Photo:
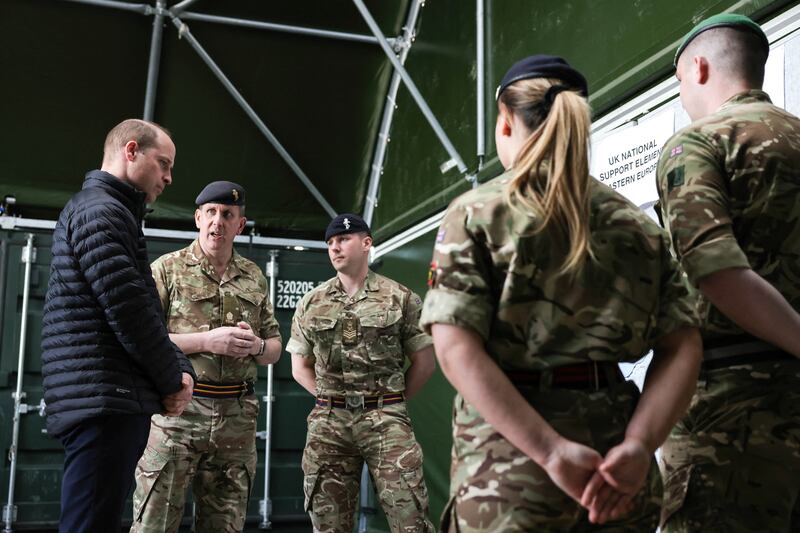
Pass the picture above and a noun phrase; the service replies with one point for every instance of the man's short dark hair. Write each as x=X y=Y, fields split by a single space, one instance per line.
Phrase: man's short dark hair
x=143 y=132
x=735 y=52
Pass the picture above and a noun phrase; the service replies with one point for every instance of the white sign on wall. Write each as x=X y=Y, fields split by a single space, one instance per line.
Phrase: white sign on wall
x=774 y=75
x=626 y=160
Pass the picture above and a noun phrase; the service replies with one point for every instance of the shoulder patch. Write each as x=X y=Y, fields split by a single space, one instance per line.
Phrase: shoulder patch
x=675 y=178
x=678 y=150
x=432 y=274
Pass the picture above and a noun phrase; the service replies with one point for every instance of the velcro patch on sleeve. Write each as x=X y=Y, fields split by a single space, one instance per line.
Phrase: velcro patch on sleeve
x=675 y=178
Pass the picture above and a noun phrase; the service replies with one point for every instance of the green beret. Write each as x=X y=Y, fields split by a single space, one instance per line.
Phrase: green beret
x=730 y=20
x=221 y=192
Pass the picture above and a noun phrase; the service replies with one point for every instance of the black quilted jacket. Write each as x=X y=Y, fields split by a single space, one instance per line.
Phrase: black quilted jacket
x=105 y=348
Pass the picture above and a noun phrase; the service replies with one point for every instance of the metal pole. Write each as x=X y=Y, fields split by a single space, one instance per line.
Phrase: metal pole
x=144 y=9
x=153 y=64
x=285 y=28
x=480 y=84
x=266 y=503
x=9 y=511
x=183 y=32
x=412 y=88
x=3 y=263
x=388 y=115
x=180 y=7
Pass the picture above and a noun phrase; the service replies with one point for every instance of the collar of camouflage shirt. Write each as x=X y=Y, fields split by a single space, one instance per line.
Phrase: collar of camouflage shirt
x=371 y=284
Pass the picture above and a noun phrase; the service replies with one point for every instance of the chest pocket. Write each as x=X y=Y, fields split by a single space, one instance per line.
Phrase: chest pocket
x=193 y=309
x=250 y=308
x=321 y=329
x=381 y=332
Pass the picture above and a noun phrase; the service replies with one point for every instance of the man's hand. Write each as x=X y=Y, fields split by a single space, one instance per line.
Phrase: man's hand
x=605 y=502
x=238 y=341
x=175 y=403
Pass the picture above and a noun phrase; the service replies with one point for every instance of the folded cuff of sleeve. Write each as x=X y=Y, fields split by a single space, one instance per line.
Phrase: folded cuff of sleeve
x=667 y=325
x=169 y=386
x=713 y=256
x=417 y=343
x=186 y=366
x=298 y=348
x=456 y=308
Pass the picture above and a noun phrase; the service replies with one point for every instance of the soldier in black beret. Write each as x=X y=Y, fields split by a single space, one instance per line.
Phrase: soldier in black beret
x=218 y=312
x=221 y=192
x=346 y=223
x=357 y=347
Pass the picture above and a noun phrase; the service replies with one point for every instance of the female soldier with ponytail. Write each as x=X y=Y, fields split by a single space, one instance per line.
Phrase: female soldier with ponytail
x=542 y=281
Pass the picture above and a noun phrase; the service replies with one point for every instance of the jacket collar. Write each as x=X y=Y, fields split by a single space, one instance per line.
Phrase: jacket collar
x=129 y=195
x=371 y=284
x=747 y=97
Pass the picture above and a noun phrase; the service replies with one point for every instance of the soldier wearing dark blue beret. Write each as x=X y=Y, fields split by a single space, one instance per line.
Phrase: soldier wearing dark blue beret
x=221 y=192
x=218 y=313
x=356 y=345
x=346 y=223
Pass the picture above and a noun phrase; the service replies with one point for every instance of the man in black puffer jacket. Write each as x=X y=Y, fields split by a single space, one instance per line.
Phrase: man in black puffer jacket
x=107 y=360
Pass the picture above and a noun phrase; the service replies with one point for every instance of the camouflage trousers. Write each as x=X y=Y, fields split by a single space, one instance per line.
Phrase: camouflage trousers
x=733 y=462
x=339 y=441
x=213 y=447
x=494 y=487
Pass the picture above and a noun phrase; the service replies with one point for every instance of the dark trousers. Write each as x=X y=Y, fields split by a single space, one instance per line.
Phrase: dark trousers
x=100 y=459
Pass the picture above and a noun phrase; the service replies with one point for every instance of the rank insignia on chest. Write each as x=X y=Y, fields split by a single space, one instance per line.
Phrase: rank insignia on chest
x=349 y=331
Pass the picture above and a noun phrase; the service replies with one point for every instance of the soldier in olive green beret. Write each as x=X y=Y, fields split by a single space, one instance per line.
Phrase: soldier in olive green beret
x=730 y=197
x=218 y=313
x=351 y=339
x=543 y=280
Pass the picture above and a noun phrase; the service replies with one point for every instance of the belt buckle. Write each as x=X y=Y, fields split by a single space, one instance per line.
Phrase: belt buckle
x=354 y=401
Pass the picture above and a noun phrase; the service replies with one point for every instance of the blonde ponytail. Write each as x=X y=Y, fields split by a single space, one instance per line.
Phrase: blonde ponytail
x=551 y=170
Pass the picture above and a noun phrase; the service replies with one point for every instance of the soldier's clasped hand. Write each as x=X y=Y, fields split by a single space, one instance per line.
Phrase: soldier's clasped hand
x=233 y=341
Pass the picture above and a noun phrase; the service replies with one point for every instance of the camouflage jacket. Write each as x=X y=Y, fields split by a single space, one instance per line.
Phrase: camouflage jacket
x=359 y=344
x=195 y=299
x=730 y=197
x=493 y=274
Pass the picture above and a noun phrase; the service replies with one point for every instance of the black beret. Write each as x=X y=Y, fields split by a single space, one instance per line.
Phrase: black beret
x=544 y=66
x=346 y=223
x=221 y=192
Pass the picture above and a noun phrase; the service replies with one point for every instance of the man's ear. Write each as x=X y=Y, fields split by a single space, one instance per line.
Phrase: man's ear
x=242 y=222
x=700 y=69
x=131 y=148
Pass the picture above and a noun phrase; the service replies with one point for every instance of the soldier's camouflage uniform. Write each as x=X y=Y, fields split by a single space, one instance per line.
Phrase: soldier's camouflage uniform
x=493 y=275
x=371 y=363
x=212 y=444
x=729 y=186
